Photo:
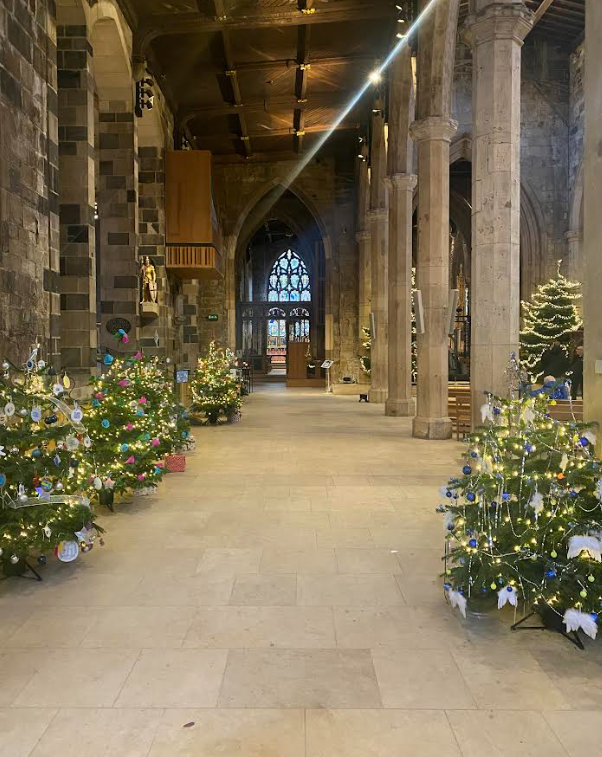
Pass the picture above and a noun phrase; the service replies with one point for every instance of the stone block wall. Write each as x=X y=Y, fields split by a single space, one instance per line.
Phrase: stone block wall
x=117 y=195
x=29 y=220
x=576 y=114
x=77 y=199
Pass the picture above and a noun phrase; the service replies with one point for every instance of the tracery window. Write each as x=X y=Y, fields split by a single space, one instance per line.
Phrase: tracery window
x=289 y=279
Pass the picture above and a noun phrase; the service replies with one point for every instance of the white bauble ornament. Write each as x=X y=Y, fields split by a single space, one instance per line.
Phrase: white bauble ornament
x=41 y=364
x=14 y=559
x=36 y=414
x=87 y=442
x=9 y=409
x=59 y=487
x=97 y=484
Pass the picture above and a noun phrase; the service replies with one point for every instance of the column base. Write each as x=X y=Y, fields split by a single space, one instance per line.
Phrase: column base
x=378 y=396
x=400 y=408
x=432 y=428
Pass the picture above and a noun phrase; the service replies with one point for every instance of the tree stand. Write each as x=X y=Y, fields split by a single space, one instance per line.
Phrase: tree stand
x=551 y=621
x=19 y=570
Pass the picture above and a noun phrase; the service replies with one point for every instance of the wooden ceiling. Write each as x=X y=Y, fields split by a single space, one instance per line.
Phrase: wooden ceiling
x=251 y=77
x=254 y=77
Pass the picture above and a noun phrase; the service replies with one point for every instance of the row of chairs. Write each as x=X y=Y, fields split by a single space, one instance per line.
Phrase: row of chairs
x=459 y=409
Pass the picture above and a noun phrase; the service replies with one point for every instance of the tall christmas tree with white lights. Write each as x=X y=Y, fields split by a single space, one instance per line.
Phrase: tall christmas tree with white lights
x=524 y=520
x=215 y=390
x=551 y=316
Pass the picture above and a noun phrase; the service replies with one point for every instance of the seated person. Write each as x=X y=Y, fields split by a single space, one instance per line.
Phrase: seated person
x=555 y=390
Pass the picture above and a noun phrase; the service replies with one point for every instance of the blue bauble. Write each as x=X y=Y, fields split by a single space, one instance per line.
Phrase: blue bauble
x=494 y=504
x=528 y=448
x=95 y=403
x=550 y=574
x=108 y=359
x=125 y=447
x=57 y=460
x=472 y=543
x=448 y=494
x=447 y=585
x=42 y=560
x=473 y=454
x=140 y=412
x=470 y=497
x=105 y=423
x=73 y=462
x=36 y=453
x=509 y=588
x=583 y=441
x=184 y=434
x=594 y=615
x=574 y=493
x=506 y=496
x=483 y=590
x=496 y=411
x=2 y=479
x=467 y=470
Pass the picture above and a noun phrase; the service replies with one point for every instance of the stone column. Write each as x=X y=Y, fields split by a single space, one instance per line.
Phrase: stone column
x=574 y=269
x=400 y=183
x=399 y=317
x=592 y=223
x=498 y=29
x=362 y=237
x=433 y=135
x=77 y=197
x=118 y=223
x=378 y=219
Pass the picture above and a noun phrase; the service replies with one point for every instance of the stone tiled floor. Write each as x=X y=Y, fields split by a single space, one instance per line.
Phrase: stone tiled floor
x=281 y=599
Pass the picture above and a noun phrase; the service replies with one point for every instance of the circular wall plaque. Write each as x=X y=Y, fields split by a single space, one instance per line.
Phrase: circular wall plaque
x=115 y=324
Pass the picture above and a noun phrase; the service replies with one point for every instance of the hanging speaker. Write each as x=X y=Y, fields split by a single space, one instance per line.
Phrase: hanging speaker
x=451 y=313
x=418 y=311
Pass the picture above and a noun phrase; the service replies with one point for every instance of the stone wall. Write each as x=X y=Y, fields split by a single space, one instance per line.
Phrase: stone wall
x=576 y=115
x=29 y=206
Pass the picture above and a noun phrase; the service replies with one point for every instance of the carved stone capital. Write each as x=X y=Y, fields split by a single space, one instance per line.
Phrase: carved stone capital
x=363 y=235
x=438 y=128
x=401 y=182
x=500 y=21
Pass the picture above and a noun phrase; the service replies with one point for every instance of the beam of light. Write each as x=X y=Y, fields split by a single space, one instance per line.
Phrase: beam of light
x=375 y=76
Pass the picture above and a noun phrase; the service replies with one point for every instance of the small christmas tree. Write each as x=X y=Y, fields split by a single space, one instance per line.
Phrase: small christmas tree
x=43 y=474
x=525 y=517
x=214 y=388
x=551 y=316
x=366 y=344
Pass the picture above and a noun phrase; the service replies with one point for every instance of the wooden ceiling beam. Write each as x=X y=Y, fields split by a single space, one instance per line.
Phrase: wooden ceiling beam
x=317 y=100
x=545 y=4
x=152 y=27
x=338 y=60
x=301 y=77
x=285 y=132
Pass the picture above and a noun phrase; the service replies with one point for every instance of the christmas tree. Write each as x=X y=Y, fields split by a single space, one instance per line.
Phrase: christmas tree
x=551 y=316
x=366 y=344
x=43 y=474
x=214 y=387
x=133 y=424
x=524 y=520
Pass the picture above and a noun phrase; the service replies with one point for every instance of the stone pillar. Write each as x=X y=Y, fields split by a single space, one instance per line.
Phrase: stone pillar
x=364 y=242
x=592 y=223
x=574 y=268
x=77 y=198
x=498 y=29
x=400 y=183
x=191 y=292
x=378 y=219
x=117 y=199
x=433 y=135
x=399 y=317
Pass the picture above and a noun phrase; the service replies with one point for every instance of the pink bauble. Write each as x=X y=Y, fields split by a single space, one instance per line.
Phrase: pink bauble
x=156 y=442
x=124 y=382
x=141 y=477
x=142 y=401
x=131 y=460
x=99 y=396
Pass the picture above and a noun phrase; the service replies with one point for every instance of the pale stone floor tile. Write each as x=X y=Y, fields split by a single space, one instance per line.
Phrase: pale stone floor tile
x=420 y=679
x=347 y=590
x=366 y=561
x=264 y=589
x=577 y=675
x=20 y=729
x=262 y=627
x=277 y=560
x=395 y=627
x=54 y=627
x=188 y=591
x=11 y=617
x=99 y=733
x=230 y=733
x=344 y=537
x=229 y=562
x=505 y=734
x=174 y=678
x=76 y=677
x=379 y=733
x=579 y=732
x=139 y=627
x=300 y=678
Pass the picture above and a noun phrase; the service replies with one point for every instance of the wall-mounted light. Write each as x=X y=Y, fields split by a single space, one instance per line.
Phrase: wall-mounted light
x=144 y=96
x=375 y=77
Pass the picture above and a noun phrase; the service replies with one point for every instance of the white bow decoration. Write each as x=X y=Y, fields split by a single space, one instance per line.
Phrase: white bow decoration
x=457 y=600
x=507 y=595
x=536 y=502
x=598 y=491
x=487 y=413
x=589 y=544
x=564 y=461
x=529 y=416
x=449 y=520
x=575 y=620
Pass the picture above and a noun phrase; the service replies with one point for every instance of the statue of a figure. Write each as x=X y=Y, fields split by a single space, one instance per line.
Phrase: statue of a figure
x=149 y=280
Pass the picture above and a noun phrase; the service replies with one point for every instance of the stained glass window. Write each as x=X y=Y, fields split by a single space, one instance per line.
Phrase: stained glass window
x=289 y=279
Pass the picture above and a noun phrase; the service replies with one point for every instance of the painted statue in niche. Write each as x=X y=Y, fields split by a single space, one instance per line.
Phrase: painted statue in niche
x=148 y=276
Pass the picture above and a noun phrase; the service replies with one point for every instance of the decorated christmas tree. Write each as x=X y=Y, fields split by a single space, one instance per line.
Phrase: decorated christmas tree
x=215 y=390
x=551 y=316
x=43 y=473
x=524 y=520
x=366 y=344
x=133 y=421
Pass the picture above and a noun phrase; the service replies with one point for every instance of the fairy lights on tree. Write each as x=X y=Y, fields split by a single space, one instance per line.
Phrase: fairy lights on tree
x=551 y=316
x=215 y=390
x=524 y=520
